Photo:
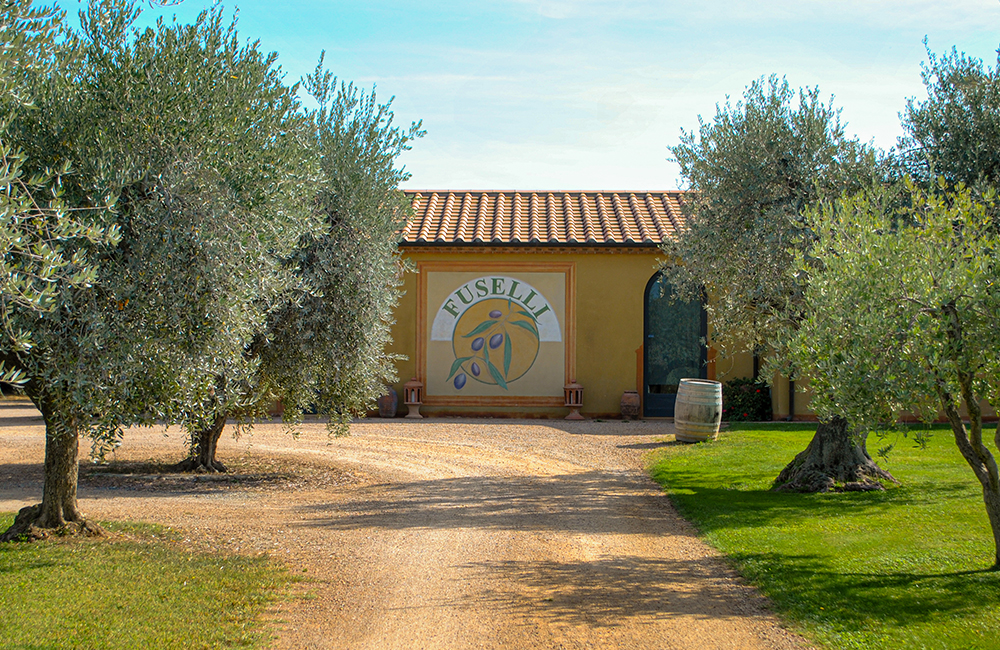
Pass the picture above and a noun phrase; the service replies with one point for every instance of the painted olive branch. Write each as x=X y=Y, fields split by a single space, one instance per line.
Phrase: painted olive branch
x=482 y=345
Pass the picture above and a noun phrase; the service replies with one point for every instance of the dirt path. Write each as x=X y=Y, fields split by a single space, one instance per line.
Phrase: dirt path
x=441 y=534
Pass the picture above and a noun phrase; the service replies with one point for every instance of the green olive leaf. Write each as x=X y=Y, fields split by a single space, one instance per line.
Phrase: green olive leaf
x=482 y=327
x=497 y=377
x=507 y=353
x=525 y=325
x=455 y=366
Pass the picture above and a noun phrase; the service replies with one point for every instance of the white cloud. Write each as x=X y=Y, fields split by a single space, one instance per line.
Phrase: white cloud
x=895 y=14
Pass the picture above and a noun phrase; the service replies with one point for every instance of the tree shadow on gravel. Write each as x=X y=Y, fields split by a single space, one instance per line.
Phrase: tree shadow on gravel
x=606 y=591
x=597 y=501
x=21 y=417
x=592 y=502
x=152 y=479
x=20 y=475
x=657 y=444
x=246 y=473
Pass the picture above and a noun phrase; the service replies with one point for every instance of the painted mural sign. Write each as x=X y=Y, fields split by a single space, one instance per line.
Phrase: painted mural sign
x=495 y=335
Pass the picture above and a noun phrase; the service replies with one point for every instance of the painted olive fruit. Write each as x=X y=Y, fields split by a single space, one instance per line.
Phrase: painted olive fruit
x=475 y=369
x=460 y=380
x=495 y=341
x=495 y=313
x=477 y=344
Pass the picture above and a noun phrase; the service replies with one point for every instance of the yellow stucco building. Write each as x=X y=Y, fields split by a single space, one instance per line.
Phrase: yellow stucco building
x=517 y=295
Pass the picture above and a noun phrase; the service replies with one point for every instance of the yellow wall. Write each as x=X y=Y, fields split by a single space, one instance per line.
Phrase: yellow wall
x=609 y=293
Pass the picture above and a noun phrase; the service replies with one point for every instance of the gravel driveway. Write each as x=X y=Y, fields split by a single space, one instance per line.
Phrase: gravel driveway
x=440 y=533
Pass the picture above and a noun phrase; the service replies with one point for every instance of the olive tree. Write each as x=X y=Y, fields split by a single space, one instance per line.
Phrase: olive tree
x=903 y=305
x=955 y=132
x=323 y=345
x=205 y=148
x=327 y=343
x=37 y=228
x=753 y=172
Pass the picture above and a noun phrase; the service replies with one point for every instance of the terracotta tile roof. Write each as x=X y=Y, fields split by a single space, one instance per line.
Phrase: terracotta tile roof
x=543 y=218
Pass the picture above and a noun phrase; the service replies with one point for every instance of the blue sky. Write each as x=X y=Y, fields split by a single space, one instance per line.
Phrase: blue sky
x=588 y=94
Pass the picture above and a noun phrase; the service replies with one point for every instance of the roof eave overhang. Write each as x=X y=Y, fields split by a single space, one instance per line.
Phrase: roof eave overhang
x=523 y=245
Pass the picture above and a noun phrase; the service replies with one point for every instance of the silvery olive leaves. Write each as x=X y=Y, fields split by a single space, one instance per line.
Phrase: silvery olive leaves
x=752 y=172
x=488 y=337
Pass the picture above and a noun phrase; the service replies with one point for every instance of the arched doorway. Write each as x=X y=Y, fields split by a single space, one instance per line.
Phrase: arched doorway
x=672 y=333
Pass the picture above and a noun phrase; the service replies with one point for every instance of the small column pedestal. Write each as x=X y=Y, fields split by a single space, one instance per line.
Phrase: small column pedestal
x=574 y=400
x=413 y=397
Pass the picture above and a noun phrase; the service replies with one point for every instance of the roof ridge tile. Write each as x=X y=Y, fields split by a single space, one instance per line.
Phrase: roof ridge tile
x=461 y=228
x=639 y=217
x=498 y=214
x=482 y=216
x=516 y=223
x=410 y=226
x=602 y=214
x=661 y=231
x=533 y=218
x=588 y=223
x=551 y=234
x=569 y=219
x=444 y=224
x=425 y=224
x=669 y=208
x=623 y=225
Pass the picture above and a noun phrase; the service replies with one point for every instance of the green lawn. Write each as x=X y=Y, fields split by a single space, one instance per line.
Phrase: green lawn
x=148 y=592
x=904 y=568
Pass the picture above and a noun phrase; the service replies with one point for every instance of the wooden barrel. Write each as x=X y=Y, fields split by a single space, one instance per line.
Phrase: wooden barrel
x=698 y=410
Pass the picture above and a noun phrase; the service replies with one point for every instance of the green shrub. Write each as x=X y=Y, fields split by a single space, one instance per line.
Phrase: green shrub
x=746 y=400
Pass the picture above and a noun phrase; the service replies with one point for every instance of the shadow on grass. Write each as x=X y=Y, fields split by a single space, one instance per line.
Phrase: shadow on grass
x=734 y=506
x=857 y=601
x=25 y=566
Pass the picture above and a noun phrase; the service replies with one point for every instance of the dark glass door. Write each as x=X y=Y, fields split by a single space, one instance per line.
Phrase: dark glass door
x=673 y=350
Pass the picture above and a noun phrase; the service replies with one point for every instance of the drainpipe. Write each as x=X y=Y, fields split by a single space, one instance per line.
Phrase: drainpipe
x=791 y=400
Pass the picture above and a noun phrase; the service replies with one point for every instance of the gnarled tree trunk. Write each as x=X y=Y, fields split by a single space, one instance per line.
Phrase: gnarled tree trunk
x=983 y=465
x=975 y=452
x=58 y=510
x=991 y=498
x=835 y=460
x=205 y=442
